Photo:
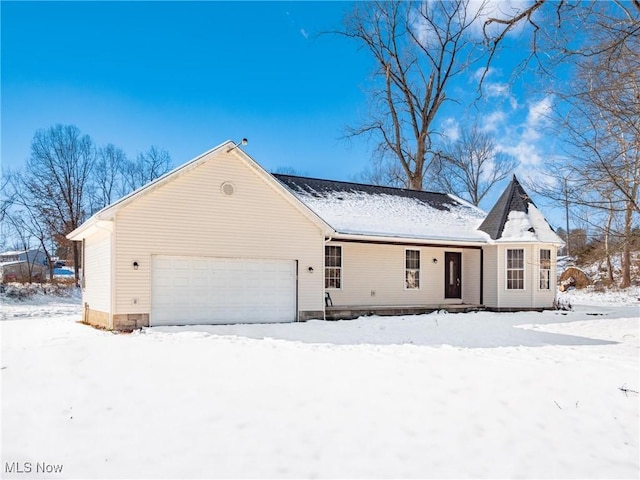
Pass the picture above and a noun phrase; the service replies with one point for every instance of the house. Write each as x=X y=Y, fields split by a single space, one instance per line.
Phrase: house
x=220 y=240
x=23 y=265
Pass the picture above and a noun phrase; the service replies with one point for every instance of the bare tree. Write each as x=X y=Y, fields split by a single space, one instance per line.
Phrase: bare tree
x=108 y=181
x=27 y=224
x=56 y=177
x=554 y=24
x=418 y=47
x=21 y=240
x=148 y=166
x=472 y=165
x=599 y=113
x=385 y=171
x=604 y=129
x=598 y=108
x=6 y=195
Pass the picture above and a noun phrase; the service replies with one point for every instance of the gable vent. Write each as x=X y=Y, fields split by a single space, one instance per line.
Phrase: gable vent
x=228 y=188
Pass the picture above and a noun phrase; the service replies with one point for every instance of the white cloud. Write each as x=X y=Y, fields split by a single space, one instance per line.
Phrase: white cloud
x=304 y=33
x=500 y=9
x=493 y=122
x=530 y=160
x=486 y=72
x=537 y=118
x=474 y=17
x=451 y=129
x=526 y=153
x=539 y=111
x=500 y=90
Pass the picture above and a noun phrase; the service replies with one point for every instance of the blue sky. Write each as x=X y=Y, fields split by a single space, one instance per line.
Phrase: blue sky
x=186 y=76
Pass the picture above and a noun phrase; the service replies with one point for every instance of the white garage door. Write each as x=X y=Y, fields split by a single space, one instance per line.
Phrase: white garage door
x=204 y=290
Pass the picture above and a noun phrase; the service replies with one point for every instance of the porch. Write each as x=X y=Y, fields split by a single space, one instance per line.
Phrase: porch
x=351 y=312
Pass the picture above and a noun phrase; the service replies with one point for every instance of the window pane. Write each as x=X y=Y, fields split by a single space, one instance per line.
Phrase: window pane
x=545 y=269
x=412 y=279
x=333 y=264
x=545 y=280
x=515 y=269
x=412 y=259
x=333 y=256
x=545 y=258
x=412 y=269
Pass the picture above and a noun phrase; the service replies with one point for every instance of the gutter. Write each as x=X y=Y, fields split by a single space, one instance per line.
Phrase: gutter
x=392 y=240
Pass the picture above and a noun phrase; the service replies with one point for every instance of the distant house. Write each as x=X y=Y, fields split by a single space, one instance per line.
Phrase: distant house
x=220 y=240
x=23 y=265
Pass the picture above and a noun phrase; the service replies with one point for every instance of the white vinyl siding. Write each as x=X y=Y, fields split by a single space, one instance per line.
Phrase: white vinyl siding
x=470 y=276
x=545 y=297
x=527 y=297
x=193 y=216
x=96 y=271
x=373 y=275
x=490 y=276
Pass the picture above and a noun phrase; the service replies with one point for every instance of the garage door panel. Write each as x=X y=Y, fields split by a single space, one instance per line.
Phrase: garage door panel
x=205 y=290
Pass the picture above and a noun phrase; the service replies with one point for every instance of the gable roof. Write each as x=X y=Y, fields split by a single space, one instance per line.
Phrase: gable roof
x=103 y=217
x=368 y=210
x=515 y=217
x=350 y=210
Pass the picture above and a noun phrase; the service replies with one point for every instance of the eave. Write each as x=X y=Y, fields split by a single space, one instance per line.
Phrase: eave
x=414 y=241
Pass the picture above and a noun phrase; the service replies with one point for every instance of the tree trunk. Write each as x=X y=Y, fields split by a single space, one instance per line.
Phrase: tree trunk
x=626 y=249
x=606 y=247
x=566 y=214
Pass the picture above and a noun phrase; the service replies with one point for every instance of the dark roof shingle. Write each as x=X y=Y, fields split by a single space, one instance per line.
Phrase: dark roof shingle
x=317 y=187
x=513 y=199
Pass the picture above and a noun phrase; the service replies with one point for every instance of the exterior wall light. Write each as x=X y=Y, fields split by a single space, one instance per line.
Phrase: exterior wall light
x=135 y=265
x=310 y=269
x=435 y=260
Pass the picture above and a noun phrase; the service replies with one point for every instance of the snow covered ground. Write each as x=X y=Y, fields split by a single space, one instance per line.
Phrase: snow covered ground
x=477 y=395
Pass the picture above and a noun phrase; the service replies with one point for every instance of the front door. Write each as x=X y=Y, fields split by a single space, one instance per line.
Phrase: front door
x=452 y=275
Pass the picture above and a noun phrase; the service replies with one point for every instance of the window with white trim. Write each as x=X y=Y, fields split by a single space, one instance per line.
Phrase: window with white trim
x=412 y=269
x=332 y=266
x=545 y=269
x=515 y=269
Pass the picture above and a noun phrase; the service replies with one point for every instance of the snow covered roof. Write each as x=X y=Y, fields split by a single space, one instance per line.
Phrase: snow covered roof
x=12 y=262
x=17 y=252
x=357 y=209
x=374 y=211
x=515 y=217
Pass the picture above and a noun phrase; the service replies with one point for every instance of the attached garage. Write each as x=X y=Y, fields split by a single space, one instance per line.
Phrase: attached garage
x=208 y=290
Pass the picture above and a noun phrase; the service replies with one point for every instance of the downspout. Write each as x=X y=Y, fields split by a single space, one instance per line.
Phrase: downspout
x=500 y=281
x=482 y=276
x=112 y=286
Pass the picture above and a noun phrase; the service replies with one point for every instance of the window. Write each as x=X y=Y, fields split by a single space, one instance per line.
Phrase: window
x=332 y=266
x=515 y=269
x=545 y=269
x=412 y=269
